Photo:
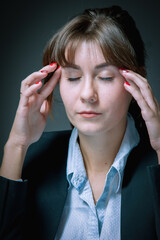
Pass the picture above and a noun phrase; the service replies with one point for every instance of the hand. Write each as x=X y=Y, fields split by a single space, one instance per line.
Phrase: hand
x=33 y=109
x=141 y=91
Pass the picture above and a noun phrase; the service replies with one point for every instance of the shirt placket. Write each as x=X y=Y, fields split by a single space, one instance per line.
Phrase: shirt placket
x=92 y=221
x=111 y=194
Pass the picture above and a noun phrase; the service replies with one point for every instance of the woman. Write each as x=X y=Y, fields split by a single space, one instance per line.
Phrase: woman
x=102 y=180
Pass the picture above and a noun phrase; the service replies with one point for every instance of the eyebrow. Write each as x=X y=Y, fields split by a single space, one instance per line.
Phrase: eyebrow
x=74 y=66
x=102 y=65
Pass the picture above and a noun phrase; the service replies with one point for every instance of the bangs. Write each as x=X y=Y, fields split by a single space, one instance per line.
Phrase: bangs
x=115 y=47
x=65 y=55
x=104 y=31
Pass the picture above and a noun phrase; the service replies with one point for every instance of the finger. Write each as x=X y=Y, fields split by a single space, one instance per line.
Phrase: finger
x=50 y=85
x=146 y=111
x=136 y=93
x=25 y=95
x=32 y=79
x=37 y=76
x=45 y=108
x=49 y=68
x=144 y=87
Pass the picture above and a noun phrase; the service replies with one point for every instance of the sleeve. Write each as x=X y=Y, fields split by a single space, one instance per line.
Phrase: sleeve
x=154 y=179
x=13 y=198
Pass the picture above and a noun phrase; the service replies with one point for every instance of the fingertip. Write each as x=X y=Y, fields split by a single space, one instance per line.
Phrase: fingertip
x=44 y=71
x=53 y=64
x=122 y=70
x=58 y=68
x=127 y=83
x=39 y=82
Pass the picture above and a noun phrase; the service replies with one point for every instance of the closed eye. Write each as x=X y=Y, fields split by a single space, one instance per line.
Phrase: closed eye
x=106 y=78
x=73 y=79
x=101 y=78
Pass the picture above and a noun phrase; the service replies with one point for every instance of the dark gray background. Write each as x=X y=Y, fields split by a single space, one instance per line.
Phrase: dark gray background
x=26 y=26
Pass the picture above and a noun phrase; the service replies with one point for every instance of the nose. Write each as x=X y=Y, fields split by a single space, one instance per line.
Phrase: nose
x=89 y=91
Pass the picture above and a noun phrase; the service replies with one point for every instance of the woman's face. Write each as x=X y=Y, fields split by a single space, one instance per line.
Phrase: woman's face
x=93 y=92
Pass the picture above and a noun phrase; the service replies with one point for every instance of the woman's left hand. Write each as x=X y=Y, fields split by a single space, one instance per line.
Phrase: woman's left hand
x=141 y=91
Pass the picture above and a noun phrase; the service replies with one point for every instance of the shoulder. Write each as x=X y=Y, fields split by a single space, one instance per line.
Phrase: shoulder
x=49 y=152
x=140 y=158
x=51 y=139
x=50 y=142
x=144 y=154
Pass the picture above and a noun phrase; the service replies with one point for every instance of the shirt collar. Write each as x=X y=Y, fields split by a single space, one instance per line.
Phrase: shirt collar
x=76 y=173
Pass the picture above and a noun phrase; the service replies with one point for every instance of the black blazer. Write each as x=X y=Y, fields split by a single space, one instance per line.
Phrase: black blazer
x=32 y=209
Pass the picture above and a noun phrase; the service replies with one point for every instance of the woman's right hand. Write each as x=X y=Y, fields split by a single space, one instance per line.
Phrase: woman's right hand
x=30 y=120
x=33 y=109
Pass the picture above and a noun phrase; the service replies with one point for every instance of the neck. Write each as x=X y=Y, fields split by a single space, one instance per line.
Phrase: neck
x=99 y=151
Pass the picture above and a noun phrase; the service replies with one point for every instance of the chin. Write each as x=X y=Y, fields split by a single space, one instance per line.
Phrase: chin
x=90 y=129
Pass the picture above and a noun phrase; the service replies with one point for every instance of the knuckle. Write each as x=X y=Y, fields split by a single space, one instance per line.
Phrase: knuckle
x=22 y=82
x=152 y=114
x=31 y=77
x=145 y=80
x=135 y=92
x=34 y=75
x=149 y=88
x=139 y=97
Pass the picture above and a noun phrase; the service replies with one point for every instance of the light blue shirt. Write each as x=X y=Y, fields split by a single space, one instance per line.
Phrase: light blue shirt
x=81 y=218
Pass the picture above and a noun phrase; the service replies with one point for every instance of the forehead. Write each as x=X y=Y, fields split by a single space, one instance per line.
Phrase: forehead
x=91 y=51
x=83 y=52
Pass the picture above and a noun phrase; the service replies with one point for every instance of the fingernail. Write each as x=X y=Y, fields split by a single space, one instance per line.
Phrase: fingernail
x=124 y=70
x=52 y=64
x=38 y=82
x=58 y=67
x=127 y=83
x=44 y=71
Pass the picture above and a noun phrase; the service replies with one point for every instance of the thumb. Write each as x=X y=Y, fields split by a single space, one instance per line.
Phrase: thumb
x=45 y=108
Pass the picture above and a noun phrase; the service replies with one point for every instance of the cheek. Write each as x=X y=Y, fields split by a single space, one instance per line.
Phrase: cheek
x=66 y=93
x=63 y=91
x=123 y=99
x=116 y=97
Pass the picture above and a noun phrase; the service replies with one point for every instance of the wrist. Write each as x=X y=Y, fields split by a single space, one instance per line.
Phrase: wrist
x=13 y=159
x=17 y=145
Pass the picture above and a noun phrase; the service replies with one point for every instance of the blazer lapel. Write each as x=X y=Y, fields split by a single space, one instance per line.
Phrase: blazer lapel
x=45 y=170
x=53 y=196
x=136 y=205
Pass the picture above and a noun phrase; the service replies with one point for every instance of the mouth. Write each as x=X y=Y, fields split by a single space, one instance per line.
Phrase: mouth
x=89 y=114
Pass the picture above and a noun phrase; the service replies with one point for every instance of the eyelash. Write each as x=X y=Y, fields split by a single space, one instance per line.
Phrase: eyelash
x=106 y=79
x=73 y=79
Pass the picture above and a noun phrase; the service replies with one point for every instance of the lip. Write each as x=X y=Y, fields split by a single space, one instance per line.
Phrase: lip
x=89 y=114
